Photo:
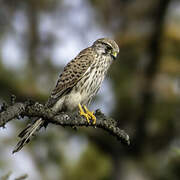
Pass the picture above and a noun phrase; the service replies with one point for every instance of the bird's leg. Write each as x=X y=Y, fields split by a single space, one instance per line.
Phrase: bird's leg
x=90 y=114
x=82 y=113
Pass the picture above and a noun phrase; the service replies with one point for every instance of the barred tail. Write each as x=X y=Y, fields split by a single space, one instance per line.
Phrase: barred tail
x=27 y=133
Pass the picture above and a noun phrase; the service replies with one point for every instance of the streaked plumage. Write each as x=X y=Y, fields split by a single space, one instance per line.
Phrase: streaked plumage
x=78 y=83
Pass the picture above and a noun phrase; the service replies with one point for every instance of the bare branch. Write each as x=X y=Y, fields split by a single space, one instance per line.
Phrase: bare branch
x=11 y=112
x=63 y=119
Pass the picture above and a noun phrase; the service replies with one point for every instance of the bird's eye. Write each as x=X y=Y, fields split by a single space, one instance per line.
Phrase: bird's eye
x=108 y=47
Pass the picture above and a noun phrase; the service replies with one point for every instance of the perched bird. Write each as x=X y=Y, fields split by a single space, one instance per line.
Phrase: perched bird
x=78 y=84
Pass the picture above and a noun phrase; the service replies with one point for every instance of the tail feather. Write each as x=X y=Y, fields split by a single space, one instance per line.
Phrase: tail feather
x=26 y=134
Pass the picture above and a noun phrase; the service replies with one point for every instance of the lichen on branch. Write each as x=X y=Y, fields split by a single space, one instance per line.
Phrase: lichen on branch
x=71 y=119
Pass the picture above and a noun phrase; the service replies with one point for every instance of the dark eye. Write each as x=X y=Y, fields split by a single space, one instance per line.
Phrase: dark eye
x=108 y=47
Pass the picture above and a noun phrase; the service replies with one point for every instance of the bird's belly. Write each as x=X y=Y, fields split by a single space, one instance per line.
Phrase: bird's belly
x=88 y=86
x=84 y=90
x=81 y=93
x=72 y=100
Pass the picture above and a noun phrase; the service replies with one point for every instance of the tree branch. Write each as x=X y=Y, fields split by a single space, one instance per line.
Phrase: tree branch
x=35 y=109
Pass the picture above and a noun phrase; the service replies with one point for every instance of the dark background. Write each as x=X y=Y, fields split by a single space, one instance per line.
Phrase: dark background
x=37 y=38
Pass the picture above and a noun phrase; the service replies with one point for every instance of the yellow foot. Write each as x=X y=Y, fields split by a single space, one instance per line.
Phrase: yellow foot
x=87 y=114
x=82 y=113
x=90 y=114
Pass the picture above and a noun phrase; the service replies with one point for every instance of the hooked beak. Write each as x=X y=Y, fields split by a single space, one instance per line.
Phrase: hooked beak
x=114 y=54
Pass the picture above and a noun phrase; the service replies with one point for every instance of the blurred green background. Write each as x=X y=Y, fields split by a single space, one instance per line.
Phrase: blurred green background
x=142 y=90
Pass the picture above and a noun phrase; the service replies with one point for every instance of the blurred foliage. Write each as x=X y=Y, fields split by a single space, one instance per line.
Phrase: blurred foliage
x=144 y=79
x=93 y=164
x=7 y=176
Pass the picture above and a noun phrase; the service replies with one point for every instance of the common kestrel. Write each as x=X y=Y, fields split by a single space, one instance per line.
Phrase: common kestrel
x=78 y=84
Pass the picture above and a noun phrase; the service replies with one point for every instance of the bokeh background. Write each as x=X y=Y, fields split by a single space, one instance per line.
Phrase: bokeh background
x=141 y=91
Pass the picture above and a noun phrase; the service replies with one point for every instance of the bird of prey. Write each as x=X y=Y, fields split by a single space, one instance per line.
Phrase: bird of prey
x=78 y=84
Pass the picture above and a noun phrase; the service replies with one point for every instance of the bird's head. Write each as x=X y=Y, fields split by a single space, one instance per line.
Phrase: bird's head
x=106 y=46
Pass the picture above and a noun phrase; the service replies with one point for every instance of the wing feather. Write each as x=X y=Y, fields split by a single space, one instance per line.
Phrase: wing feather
x=72 y=73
